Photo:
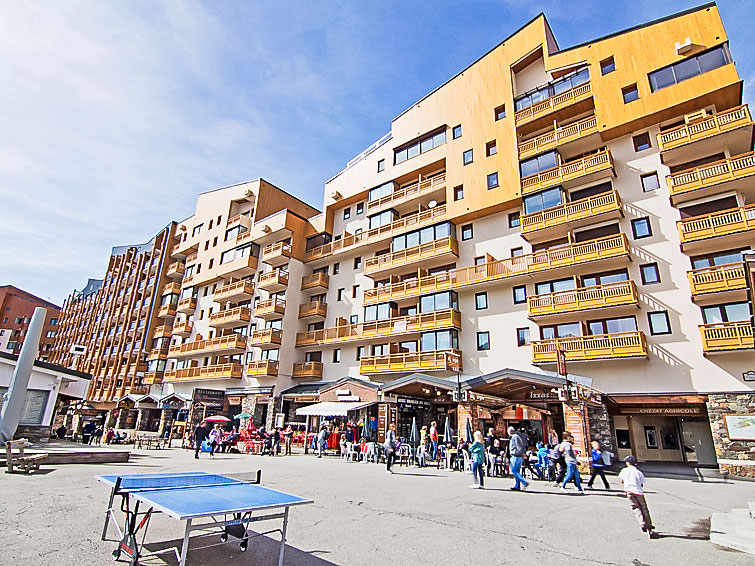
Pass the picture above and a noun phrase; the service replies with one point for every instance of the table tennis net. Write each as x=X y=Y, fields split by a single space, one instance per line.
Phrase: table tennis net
x=148 y=483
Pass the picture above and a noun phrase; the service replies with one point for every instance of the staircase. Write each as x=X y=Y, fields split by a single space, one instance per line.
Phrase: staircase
x=735 y=529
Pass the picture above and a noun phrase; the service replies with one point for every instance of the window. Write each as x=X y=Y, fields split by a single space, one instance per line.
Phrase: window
x=535 y=165
x=604 y=278
x=336 y=268
x=578 y=77
x=543 y=200
x=219 y=219
x=641 y=228
x=522 y=336
x=720 y=258
x=440 y=340
x=500 y=112
x=516 y=252
x=492 y=180
x=641 y=142
x=360 y=208
x=354 y=291
x=520 y=294
x=353 y=319
x=381 y=165
x=337 y=356
x=423 y=236
x=612 y=326
x=382 y=218
x=650 y=182
x=468 y=157
x=382 y=311
x=459 y=192
x=607 y=66
x=483 y=341
x=481 y=301
x=467 y=232
x=731 y=312
x=659 y=323
x=50 y=334
x=491 y=148
x=420 y=146
x=339 y=295
x=514 y=220
x=357 y=263
x=347 y=213
x=630 y=93
x=53 y=321
x=690 y=67
x=197 y=229
x=650 y=274
x=457 y=131
x=439 y=301
x=360 y=352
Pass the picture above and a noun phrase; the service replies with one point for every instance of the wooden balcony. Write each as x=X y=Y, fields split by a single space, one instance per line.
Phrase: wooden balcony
x=581 y=131
x=153 y=377
x=586 y=348
x=717 y=279
x=733 y=173
x=157 y=353
x=408 y=194
x=181 y=249
x=167 y=311
x=266 y=338
x=313 y=309
x=273 y=281
x=234 y=292
x=239 y=267
x=410 y=324
x=315 y=281
x=623 y=293
x=559 y=103
x=222 y=345
x=164 y=330
x=270 y=309
x=546 y=224
x=730 y=227
x=610 y=249
x=276 y=254
x=577 y=171
x=726 y=336
x=206 y=373
x=176 y=270
x=187 y=305
x=183 y=329
x=307 y=370
x=702 y=135
x=172 y=288
x=231 y=318
x=430 y=254
x=259 y=368
x=405 y=224
x=404 y=363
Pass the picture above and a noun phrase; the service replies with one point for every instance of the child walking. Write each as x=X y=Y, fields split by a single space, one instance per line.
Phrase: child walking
x=597 y=466
x=477 y=450
x=634 y=480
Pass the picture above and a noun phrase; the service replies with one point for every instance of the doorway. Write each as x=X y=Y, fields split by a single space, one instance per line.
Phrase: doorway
x=697 y=442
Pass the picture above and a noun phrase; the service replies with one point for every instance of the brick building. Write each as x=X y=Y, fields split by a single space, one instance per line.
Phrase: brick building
x=16 y=308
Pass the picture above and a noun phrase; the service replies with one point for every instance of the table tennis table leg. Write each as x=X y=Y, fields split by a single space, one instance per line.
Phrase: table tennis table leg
x=185 y=545
x=283 y=537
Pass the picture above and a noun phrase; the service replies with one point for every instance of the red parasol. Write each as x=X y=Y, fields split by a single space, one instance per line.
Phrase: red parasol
x=218 y=419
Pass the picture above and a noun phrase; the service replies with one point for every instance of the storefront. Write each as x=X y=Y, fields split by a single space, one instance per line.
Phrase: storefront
x=255 y=401
x=205 y=403
x=299 y=396
x=148 y=413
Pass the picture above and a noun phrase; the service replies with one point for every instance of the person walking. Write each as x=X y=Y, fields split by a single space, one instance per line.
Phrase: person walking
x=98 y=432
x=477 y=451
x=276 y=441
x=634 y=482
x=390 y=447
x=200 y=434
x=434 y=440
x=288 y=436
x=214 y=438
x=597 y=465
x=572 y=472
x=322 y=441
x=517 y=450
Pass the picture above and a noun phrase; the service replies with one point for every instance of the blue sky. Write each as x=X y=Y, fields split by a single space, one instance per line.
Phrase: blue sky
x=115 y=115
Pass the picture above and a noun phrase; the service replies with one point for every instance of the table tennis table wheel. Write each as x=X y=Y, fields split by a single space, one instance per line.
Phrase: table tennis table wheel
x=116 y=554
x=224 y=537
x=243 y=545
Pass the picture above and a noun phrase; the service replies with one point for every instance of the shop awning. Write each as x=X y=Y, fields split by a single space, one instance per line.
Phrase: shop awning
x=331 y=408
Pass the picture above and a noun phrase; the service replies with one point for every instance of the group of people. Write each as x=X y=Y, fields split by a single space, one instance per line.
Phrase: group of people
x=219 y=440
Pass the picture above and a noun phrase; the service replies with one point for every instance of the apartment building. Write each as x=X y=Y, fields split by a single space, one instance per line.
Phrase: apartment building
x=16 y=309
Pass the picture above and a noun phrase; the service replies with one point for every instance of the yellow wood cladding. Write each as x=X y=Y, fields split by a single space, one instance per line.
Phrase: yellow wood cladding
x=574 y=254
x=167 y=311
x=558 y=136
x=720 y=223
x=313 y=308
x=412 y=221
x=271 y=306
x=711 y=174
x=153 y=377
x=187 y=305
x=406 y=362
x=597 y=347
x=274 y=277
x=218 y=371
x=219 y=344
x=593 y=163
x=237 y=290
x=570 y=211
x=265 y=336
x=726 y=336
x=262 y=367
x=728 y=277
x=448 y=318
x=397 y=197
x=307 y=369
x=553 y=104
x=448 y=245
x=584 y=298
x=315 y=280
x=716 y=124
x=279 y=249
x=230 y=316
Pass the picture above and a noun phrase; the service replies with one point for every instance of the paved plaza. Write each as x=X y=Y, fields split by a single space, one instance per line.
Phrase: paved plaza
x=363 y=516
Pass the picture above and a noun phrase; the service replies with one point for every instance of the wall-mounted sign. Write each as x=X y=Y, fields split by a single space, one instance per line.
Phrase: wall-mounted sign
x=209 y=397
x=668 y=411
x=749 y=375
x=740 y=427
x=412 y=403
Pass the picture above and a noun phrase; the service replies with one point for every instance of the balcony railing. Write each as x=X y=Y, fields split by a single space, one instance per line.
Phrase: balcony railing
x=237 y=291
x=718 y=278
x=315 y=280
x=218 y=371
x=278 y=253
x=597 y=347
x=183 y=329
x=551 y=258
x=162 y=330
x=187 y=305
x=167 y=311
x=234 y=343
x=717 y=124
x=307 y=369
x=553 y=104
x=426 y=217
x=396 y=197
x=584 y=298
x=176 y=269
x=157 y=353
x=558 y=136
x=274 y=306
x=262 y=367
x=276 y=277
x=171 y=288
x=448 y=245
x=153 y=377
x=265 y=337
x=448 y=318
x=406 y=362
x=711 y=174
x=720 y=223
x=239 y=315
x=594 y=163
x=571 y=211
x=726 y=336
x=313 y=308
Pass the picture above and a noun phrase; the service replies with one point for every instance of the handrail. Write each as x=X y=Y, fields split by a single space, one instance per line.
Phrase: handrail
x=312 y=308
x=718 y=123
x=218 y=371
x=734 y=335
x=552 y=103
x=431 y=184
x=266 y=335
x=315 y=280
x=234 y=341
x=717 y=223
x=434 y=360
x=228 y=289
x=278 y=247
x=241 y=313
x=598 y=161
x=307 y=369
x=558 y=135
x=608 y=294
x=262 y=367
x=271 y=304
x=583 y=208
x=428 y=249
x=276 y=275
x=713 y=173
x=717 y=278
x=595 y=346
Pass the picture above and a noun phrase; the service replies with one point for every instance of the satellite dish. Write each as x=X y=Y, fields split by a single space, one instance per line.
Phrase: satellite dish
x=432 y=204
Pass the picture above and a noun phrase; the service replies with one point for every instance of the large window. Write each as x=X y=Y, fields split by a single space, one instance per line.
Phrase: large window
x=240 y=252
x=382 y=218
x=540 y=163
x=34 y=405
x=605 y=278
x=543 y=200
x=439 y=301
x=546 y=287
x=423 y=236
x=720 y=258
x=567 y=330
x=420 y=146
x=731 y=312
x=382 y=191
x=544 y=92
x=612 y=325
x=688 y=68
x=440 y=340
x=378 y=312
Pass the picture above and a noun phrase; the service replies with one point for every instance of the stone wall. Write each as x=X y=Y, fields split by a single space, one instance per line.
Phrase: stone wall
x=33 y=433
x=735 y=457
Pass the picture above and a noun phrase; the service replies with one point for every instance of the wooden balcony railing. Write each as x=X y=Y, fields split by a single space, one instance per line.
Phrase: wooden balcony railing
x=315 y=280
x=218 y=371
x=711 y=174
x=157 y=353
x=717 y=124
x=234 y=291
x=167 y=311
x=153 y=377
x=584 y=208
x=313 y=308
x=396 y=197
x=597 y=347
x=274 y=277
x=231 y=316
x=551 y=258
x=407 y=362
x=265 y=336
x=191 y=258
x=162 y=330
x=277 y=250
x=448 y=245
x=720 y=223
x=307 y=369
x=584 y=298
x=448 y=318
x=176 y=269
x=171 y=288
x=558 y=136
x=233 y=343
x=262 y=367
x=554 y=103
x=275 y=305
x=183 y=329
x=593 y=163
x=727 y=277
x=726 y=336
x=187 y=305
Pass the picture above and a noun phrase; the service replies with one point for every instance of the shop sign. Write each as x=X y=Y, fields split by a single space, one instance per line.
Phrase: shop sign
x=668 y=411
x=542 y=396
x=412 y=403
x=453 y=362
x=575 y=425
x=234 y=399
x=210 y=397
x=749 y=375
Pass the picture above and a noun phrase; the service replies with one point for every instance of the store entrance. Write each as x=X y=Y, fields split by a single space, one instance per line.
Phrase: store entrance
x=697 y=441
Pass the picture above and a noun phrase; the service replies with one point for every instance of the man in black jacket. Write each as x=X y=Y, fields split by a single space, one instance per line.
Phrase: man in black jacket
x=200 y=434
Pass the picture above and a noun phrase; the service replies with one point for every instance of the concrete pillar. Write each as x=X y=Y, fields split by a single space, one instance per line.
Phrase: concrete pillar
x=270 y=420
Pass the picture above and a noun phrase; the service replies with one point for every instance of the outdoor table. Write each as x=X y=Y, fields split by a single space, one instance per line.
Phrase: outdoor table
x=450 y=452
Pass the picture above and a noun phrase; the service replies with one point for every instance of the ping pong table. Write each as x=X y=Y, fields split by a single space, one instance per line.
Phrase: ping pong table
x=206 y=502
